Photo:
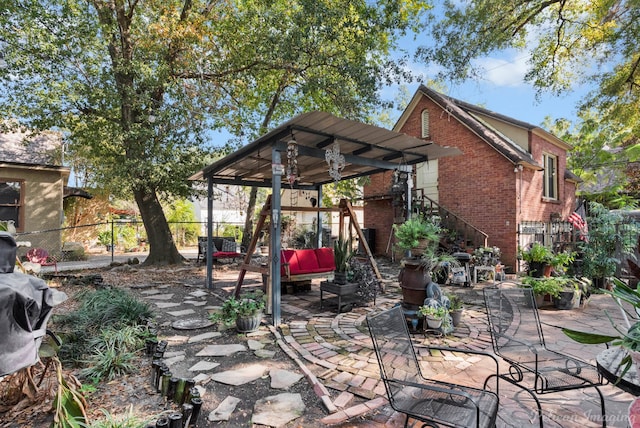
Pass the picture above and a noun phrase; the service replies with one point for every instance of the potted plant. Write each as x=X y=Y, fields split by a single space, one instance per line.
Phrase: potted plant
x=342 y=253
x=416 y=234
x=570 y=294
x=245 y=312
x=456 y=308
x=433 y=314
x=543 y=286
x=538 y=257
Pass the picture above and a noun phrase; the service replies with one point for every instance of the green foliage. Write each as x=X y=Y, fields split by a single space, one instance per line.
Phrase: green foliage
x=99 y=313
x=409 y=234
x=437 y=312
x=249 y=304
x=342 y=252
x=137 y=89
x=104 y=237
x=551 y=285
x=127 y=420
x=537 y=252
x=69 y=404
x=456 y=302
x=187 y=229
x=629 y=338
x=609 y=236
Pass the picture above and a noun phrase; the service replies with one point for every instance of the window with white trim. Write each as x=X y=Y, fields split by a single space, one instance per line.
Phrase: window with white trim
x=425 y=123
x=550 y=190
x=11 y=193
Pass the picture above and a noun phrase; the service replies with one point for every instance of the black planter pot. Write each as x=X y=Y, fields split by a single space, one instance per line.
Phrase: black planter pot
x=340 y=277
x=536 y=269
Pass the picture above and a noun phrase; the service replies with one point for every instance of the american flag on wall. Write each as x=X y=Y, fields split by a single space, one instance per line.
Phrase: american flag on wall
x=579 y=221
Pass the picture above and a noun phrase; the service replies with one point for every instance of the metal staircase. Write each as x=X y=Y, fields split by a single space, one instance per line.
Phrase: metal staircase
x=465 y=233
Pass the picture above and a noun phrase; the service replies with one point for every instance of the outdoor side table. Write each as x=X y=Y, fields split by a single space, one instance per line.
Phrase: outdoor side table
x=608 y=362
x=340 y=290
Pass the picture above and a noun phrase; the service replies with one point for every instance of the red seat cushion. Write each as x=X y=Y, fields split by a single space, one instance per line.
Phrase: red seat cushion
x=289 y=256
x=225 y=254
x=307 y=261
x=326 y=259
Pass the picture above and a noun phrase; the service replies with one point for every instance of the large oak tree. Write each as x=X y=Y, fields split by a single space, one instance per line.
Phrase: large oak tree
x=136 y=86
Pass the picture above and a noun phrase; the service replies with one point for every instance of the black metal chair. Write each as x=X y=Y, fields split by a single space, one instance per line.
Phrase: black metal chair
x=432 y=402
x=516 y=335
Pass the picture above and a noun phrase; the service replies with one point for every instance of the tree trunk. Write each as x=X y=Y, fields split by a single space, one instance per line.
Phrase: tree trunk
x=162 y=248
x=248 y=222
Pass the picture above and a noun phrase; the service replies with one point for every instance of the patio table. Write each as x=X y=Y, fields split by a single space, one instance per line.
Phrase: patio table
x=608 y=363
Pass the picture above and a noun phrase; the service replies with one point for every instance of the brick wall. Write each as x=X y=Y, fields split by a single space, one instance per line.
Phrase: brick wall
x=480 y=186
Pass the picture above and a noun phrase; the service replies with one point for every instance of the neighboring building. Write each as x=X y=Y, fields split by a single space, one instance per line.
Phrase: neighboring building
x=32 y=185
x=510 y=182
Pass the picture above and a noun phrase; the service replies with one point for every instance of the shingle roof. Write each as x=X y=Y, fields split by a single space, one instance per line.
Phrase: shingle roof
x=22 y=147
x=467 y=114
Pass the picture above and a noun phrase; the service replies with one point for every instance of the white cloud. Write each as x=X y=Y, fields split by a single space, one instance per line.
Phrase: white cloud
x=504 y=72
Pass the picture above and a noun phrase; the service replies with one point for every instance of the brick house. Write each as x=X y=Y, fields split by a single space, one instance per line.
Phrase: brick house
x=510 y=173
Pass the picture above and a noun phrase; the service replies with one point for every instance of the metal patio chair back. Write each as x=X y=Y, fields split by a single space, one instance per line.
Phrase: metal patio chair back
x=432 y=402
x=517 y=338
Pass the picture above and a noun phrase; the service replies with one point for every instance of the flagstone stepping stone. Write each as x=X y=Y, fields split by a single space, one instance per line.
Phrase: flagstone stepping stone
x=221 y=350
x=278 y=410
x=176 y=340
x=182 y=313
x=171 y=354
x=283 y=379
x=161 y=297
x=201 y=366
x=165 y=305
x=224 y=409
x=171 y=361
x=150 y=292
x=240 y=376
x=201 y=378
x=198 y=293
x=254 y=345
x=204 y=336
x=194 y=303
x=191 y=323
x=265 y=353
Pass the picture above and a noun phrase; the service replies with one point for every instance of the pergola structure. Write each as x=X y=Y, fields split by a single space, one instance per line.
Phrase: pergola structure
x=307 y=152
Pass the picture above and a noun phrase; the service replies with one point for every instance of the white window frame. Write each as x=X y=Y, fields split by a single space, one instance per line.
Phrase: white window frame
x=424 y=123
x=550 y=180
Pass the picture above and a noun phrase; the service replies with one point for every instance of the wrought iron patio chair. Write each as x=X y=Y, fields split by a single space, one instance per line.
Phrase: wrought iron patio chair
x=432 y=402
x=516 y=335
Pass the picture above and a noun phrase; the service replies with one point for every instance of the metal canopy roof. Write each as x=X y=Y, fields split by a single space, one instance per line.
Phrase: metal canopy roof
x=367 y=150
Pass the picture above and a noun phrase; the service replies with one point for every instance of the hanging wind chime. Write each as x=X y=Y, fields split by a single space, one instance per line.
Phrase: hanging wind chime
x=336 y=161
x=292 y=161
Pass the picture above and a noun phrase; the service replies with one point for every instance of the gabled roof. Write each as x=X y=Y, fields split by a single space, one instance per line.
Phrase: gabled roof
x=367 y=149
x=469 y=115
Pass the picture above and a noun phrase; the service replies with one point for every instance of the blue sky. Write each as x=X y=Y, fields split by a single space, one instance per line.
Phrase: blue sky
x=503 y=89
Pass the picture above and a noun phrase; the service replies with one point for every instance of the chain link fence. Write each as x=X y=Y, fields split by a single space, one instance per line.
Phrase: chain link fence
x=129 y=236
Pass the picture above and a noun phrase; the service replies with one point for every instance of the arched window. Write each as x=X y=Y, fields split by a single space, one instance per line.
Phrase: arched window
x=425 y=123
